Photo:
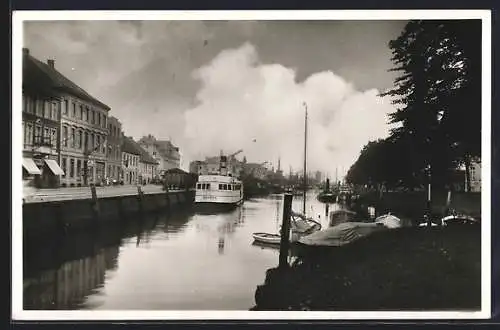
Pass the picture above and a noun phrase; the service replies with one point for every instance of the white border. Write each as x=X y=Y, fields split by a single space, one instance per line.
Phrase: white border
x=17 y=41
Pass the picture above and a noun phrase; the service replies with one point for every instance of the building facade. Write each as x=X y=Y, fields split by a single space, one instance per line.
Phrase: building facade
x=475 y=176
x=81 y=129
x=130 y=161
x=83 y=140
x=40 y=126
x=148 y=167
x=164 y=152
x=114 y=156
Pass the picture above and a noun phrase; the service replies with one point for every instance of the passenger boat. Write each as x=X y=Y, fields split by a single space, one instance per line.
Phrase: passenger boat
x=218 y=191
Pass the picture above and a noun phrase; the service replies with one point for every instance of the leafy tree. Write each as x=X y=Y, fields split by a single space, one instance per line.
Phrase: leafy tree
x=437 y=93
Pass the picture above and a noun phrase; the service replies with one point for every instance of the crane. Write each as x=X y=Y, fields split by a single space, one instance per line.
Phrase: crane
x=236 y=153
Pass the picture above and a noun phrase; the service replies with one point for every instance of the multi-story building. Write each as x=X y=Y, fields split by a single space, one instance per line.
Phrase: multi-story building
x=114 y=156
x=130 y=161
x=148 y=167
x=82 y=124
x=40 y=125
x=84 y=133
x=196 y=166
x=164 y=152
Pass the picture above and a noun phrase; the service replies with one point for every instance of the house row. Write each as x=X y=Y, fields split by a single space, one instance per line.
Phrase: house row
x=69 y=138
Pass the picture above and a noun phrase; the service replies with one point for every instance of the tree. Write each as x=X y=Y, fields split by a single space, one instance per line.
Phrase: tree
x=438 y=93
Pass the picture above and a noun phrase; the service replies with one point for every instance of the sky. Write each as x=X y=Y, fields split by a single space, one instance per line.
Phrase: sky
x=229 y=85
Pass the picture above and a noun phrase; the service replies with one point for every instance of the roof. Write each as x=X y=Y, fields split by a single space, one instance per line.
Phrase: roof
x=39 y=77
x=132 y=147
x=146 y=157
x=129 y=146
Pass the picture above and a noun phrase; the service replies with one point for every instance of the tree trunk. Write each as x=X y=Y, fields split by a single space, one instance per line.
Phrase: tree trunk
x=467 y=173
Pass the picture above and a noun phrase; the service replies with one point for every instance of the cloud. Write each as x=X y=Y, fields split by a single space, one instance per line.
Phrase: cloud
x=244 y=104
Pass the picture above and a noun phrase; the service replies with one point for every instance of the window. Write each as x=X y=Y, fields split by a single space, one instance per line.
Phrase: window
x=30 y=103
x=98 y=119
x=221 y=186
x=81 y=111
x=53 y=137
x=87 y=117
x=63 y=166
x=72 y=168
x=78 y=168
x=73 y=138
x=65 y=136
x=38 y=134
x=54 y=111
x=93 y=117
x=86 y=141
x=92 y=139
x=29 y=134
x=46 y=109
x=98 y=142
x=39 y=108
x=46 y=135
x=65 y=107
x=79 y=139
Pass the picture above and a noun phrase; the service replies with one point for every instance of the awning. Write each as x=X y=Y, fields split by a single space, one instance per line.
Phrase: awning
x=30 y=166
x=54 y=167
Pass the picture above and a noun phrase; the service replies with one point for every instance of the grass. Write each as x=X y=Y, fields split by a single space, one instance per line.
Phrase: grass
x=434 y=268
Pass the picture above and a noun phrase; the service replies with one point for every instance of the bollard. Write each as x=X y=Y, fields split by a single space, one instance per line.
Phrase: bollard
x=95 y=201
x=285 y=231
x=140 y=199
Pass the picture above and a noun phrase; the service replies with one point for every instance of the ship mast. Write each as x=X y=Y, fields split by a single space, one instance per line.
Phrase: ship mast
x=305 y=161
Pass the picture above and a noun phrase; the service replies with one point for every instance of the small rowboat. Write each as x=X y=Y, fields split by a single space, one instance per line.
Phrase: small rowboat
x=267 y=238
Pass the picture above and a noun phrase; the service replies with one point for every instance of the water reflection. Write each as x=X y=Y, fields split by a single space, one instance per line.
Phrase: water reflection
x=66 y=286
x=179 y=261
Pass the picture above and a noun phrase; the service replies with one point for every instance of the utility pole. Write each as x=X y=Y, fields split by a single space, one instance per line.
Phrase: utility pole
x=305 y=161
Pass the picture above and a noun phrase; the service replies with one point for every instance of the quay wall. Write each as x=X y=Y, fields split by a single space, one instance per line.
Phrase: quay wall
x=75 y=214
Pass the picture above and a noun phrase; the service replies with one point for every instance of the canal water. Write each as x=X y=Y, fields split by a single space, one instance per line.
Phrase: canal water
x=178 y=261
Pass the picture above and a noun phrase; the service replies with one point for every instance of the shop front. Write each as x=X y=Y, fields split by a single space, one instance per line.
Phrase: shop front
x=41 y=172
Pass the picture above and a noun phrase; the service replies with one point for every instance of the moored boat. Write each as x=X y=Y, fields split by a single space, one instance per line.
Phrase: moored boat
x=218 y=191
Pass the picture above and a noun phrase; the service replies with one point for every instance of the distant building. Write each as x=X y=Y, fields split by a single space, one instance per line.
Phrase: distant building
x=318 y=176
x=148 y=166
x=131 y=156
x=258 y=171
x=196 y=166
x=114 y=156
x=164 y=152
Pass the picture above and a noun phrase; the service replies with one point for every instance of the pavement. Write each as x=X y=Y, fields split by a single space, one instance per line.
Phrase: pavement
x=33 y=195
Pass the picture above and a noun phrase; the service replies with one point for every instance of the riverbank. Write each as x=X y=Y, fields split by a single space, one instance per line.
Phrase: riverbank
x=401 y=269
x=413 y=205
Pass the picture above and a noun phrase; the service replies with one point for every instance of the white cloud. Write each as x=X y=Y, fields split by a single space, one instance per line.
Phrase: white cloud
x=242 y=99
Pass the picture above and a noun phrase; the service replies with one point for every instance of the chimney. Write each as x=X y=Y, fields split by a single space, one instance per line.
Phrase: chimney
x=51 y=63
x=26 y=51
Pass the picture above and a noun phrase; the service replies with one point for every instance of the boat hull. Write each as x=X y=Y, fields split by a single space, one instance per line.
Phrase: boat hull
x=211 y=207
x=266 y=238
x=327 y=198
